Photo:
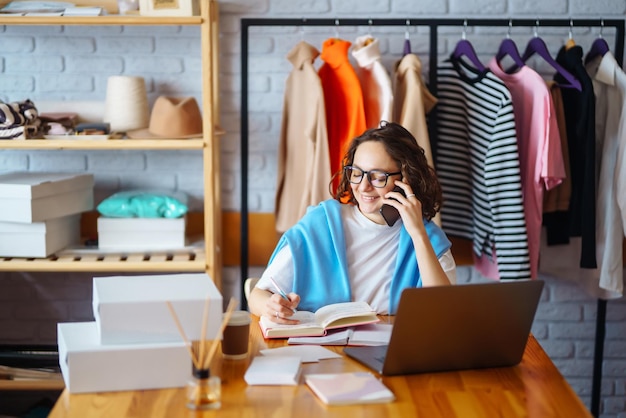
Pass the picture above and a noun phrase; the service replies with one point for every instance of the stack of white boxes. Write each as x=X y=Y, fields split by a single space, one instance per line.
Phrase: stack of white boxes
x=134 y=342
x=40 y=212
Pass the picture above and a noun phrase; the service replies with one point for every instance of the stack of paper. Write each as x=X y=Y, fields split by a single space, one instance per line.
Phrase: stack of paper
x=274 y=370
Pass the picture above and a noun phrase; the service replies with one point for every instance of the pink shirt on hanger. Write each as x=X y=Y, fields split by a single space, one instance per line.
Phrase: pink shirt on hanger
x=541 y=157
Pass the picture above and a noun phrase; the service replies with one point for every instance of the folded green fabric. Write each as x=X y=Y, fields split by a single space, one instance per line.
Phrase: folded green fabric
x=144 y=204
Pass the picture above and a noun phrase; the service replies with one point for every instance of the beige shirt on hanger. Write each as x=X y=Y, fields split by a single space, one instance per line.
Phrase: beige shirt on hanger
x=412 y=101
x=303 y=156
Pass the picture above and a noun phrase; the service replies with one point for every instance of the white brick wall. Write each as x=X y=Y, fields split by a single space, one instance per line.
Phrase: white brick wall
x=73 y=63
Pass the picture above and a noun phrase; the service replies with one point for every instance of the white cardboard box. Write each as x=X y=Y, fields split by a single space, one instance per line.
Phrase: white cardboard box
x=36 y=197
x=133 y=309
x=141 y=233
x=88 y=366
x=38 y=239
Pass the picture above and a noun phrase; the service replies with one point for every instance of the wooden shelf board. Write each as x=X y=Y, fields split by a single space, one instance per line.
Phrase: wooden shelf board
x=112 y=144
x=192 y=261
x=99 y=20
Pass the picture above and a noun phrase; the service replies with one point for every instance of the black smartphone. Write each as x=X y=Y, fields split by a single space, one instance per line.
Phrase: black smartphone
x=388 y=212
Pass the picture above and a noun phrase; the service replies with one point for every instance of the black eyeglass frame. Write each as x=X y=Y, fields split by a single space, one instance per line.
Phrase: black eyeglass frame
x=368 y=174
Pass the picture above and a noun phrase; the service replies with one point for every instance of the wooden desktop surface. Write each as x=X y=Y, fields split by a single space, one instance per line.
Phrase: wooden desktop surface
x=534 y=388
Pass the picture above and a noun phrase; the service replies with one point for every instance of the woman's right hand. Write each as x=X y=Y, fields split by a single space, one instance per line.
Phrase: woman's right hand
x=280 y=310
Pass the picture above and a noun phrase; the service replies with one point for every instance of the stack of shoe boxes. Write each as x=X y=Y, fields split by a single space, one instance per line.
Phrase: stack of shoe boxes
x=40 y=212
x=134 y=342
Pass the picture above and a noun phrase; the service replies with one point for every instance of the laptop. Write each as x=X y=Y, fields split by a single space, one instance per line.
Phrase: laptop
x=467 y=326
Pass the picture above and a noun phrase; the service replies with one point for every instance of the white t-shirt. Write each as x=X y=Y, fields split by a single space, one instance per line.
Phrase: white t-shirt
x=371 y=255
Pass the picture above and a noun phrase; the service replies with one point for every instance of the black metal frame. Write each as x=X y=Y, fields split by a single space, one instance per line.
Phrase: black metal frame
x=433 y=24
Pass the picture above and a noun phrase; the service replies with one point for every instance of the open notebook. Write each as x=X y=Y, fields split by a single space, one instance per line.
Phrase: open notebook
x=456 y=327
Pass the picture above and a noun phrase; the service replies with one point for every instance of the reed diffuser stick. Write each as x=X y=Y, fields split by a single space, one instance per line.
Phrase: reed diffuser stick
x=205 y=317
x=229 y=311
x=182 y=334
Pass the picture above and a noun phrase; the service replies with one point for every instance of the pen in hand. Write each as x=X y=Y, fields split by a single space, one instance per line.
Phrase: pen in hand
x=281 y=292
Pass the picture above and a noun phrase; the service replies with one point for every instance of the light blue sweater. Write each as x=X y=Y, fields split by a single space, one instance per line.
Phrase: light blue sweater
x=318 y=249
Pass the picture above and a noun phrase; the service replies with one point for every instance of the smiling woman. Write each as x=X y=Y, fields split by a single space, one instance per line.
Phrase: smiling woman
x=343 y=250
x=371 y=193
x=396 y=151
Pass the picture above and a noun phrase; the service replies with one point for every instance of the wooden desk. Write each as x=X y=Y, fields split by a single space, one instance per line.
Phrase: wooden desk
x=534 y=388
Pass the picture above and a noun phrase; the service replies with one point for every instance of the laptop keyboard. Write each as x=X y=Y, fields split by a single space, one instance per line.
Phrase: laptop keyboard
x=371 y=356
x=380 y=357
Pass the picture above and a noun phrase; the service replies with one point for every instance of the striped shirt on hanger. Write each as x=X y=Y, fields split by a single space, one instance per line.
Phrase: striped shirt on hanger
x=478 y=165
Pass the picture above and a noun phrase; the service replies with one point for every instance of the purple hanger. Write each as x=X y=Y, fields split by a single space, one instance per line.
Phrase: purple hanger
x=465 y=48
x=407 y=47
x=599 y=47
x=537 y=46
x=508 y=47
x=407 y=39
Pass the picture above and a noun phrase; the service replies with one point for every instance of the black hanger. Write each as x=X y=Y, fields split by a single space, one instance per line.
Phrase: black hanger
x=538 y=46
x=508 y=47
x=599 y=47
x=465 y=49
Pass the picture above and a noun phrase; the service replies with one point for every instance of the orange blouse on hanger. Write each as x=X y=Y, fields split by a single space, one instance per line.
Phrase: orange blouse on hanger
x=343 y=98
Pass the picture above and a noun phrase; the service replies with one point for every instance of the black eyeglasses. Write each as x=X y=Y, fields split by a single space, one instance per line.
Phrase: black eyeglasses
x=377 y=178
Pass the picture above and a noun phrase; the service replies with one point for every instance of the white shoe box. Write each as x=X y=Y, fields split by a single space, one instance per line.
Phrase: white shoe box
x=88 y=366
x=36 y=197
x=137 y=234
x=133 y=309
x=38 y=239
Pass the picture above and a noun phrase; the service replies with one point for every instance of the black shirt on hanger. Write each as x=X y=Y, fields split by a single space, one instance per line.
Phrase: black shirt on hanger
x=579 y=107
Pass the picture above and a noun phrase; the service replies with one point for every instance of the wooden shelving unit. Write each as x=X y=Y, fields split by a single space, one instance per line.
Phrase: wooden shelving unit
x=207 y=258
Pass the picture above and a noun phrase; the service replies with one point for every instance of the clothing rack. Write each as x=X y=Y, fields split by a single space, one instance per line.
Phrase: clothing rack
x=433 y=25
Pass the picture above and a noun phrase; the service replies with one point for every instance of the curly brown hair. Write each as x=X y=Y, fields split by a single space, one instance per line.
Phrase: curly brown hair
x=402 y=146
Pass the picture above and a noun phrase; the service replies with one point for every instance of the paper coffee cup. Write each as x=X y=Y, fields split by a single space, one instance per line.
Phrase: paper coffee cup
x=236 y=336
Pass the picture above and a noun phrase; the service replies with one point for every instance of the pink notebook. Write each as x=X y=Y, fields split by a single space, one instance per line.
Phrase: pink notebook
x=348 y=388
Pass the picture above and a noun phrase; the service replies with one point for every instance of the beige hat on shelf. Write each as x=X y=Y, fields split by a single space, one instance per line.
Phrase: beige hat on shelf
x=172 y=117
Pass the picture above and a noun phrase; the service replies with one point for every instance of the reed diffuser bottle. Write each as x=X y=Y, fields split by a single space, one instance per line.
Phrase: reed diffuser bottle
x=203 y=390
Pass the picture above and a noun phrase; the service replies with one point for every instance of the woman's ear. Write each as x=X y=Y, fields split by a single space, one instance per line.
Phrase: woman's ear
x=404 y=176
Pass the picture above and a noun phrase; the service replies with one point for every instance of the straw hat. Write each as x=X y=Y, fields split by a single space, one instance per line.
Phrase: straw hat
x=172 y=117
x=126 y=105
